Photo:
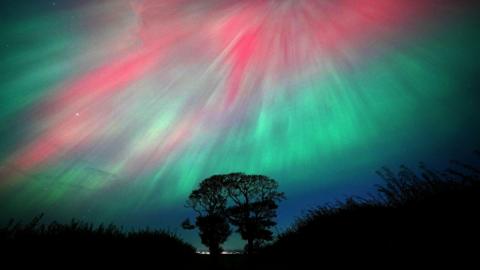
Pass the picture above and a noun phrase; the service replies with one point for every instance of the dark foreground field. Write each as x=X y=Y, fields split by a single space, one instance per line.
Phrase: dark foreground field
x=416 y=214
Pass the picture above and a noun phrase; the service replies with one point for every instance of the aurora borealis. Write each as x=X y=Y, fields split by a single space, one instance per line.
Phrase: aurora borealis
x=115 y=110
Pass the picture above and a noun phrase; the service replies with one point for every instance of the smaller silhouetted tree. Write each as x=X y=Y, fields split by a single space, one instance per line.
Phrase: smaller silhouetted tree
x=214 y=230
x=209 y=201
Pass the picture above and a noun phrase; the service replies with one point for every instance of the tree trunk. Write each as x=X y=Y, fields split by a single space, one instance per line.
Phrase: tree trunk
x=215 y=250
x=249 y=246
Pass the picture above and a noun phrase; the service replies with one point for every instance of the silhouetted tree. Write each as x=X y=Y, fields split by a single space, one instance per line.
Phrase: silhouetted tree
x=254 y=201
x=247 y=201
x=214 y=230
x=209 y=201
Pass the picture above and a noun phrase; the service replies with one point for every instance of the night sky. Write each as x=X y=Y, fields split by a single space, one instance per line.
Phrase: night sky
x=113 y=111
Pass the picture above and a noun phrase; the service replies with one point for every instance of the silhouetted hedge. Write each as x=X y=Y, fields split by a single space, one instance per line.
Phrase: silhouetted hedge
x=81 y=240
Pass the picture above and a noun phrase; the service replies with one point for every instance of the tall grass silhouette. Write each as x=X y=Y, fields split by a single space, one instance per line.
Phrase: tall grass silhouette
x=412 y=213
